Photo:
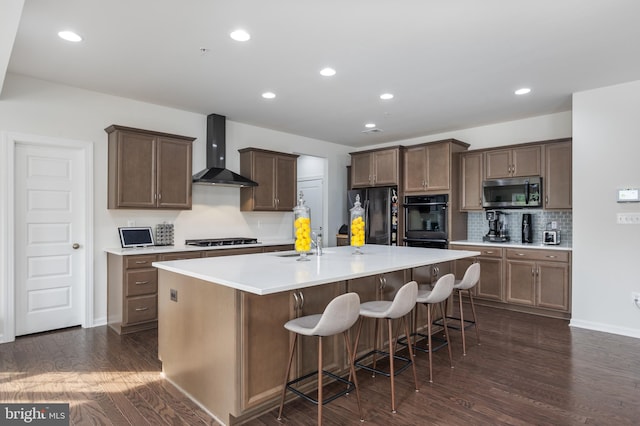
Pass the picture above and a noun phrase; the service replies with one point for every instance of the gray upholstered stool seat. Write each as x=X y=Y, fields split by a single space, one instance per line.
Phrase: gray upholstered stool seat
x=402 y=304
x=338 y=317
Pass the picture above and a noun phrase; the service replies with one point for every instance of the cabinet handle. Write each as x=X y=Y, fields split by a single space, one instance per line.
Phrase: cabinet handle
x=142 y=309
x=382 y=282
x=489 y=251
x=533 y=272
x=546 y=200
x=538 y=272
x=142 y=282
x=550 y=256
x=141 y=262
x=520 y=254
x=159 y=196
x=301 y=300
x=296 y=302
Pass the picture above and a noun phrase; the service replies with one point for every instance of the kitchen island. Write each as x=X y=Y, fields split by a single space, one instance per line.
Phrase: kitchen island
x=221 y=338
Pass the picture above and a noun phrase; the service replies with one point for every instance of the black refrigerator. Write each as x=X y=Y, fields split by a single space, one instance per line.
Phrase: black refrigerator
x=380 y=213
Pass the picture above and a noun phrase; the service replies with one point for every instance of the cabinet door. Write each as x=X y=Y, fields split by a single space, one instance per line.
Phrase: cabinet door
x=490 y=285
x=135 y=171
x=174 y=174
x=285 y=182
x=368 y=289
x=553 y=285
x=361 y=173
x=527 y=161
x=314 y=301
x=557 y=176
x=521 y=280
x=471 y=181
x=415 y=169
x=497 y=164
x=265 y=345
x=385 y=167
x=264 y=172
x=438 y=167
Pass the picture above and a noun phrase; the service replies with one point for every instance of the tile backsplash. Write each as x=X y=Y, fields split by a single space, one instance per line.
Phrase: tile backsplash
x=477 y=224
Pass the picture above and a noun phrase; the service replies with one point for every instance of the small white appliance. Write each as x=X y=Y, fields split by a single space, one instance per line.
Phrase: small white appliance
x=551 y=237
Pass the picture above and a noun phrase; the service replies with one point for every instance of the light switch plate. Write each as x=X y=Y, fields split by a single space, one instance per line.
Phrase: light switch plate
x=628 y=218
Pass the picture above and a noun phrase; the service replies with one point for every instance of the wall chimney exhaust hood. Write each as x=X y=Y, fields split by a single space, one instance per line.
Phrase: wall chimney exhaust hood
x=216 y=173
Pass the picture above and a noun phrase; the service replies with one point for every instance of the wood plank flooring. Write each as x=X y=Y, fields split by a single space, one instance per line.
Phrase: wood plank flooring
x=528 y=370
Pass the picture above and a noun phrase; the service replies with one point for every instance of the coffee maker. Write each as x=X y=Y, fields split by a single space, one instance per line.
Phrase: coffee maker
x=498 y=232
x=527 y=228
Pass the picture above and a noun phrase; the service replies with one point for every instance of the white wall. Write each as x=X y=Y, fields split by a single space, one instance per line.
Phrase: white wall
x=41 y=108
x=541 y=128
x=606 y=153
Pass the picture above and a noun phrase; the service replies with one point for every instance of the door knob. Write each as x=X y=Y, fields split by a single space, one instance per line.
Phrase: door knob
x=75 y=246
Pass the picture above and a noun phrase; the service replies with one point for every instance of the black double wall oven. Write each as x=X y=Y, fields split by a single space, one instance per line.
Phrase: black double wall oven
x=425 y=219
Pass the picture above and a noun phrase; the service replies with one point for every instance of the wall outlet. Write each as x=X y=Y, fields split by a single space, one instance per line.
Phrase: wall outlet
x=635 y=297
x=173 y=294
x=628 y=218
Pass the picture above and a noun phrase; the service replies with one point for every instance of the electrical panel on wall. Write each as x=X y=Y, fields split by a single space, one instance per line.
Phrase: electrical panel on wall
x=628 y=195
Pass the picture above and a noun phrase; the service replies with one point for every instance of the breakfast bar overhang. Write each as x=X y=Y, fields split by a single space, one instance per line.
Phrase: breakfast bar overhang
x=221 y=338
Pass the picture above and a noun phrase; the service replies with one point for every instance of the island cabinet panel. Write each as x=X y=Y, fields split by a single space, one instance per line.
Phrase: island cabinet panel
x=148 y=170
x=276 y=175
x=371 y=288
x=265 y=341
x=513 y=162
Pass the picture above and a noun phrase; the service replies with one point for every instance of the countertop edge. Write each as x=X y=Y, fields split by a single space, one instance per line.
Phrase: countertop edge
x=184 y=248
x=535 y=246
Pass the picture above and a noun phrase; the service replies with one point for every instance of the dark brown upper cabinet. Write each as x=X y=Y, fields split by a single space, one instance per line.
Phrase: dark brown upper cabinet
x=148 y=170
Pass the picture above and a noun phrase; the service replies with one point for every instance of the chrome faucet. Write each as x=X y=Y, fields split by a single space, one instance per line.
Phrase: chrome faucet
x=317 y=242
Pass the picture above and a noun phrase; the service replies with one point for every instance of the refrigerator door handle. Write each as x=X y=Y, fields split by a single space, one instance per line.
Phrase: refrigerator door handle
x=366 y=220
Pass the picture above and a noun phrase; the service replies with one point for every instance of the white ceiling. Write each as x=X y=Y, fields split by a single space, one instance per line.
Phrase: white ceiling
x=452 y=64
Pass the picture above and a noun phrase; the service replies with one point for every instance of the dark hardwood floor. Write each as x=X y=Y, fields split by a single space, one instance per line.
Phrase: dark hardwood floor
x=528 y=370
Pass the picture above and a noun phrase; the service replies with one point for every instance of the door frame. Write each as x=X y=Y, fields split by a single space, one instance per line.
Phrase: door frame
x=9 y=141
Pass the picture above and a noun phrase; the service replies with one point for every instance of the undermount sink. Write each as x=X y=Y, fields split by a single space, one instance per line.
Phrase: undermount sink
x=293 y=254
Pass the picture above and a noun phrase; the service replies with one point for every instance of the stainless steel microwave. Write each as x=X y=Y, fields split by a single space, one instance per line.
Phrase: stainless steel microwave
x=512 y=193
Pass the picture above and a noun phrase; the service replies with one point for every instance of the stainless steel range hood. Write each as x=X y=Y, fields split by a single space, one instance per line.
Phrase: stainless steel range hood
x=216 y=173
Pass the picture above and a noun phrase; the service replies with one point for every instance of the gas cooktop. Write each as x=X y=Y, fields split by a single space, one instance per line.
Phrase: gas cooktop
x=213 y=242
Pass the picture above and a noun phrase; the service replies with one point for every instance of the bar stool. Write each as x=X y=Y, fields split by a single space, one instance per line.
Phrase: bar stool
x=468 y=281
x=402 y=304
x=338 y=317
x=437 y=296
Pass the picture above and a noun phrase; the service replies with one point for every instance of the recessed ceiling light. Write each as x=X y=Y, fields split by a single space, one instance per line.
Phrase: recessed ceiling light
x=268 y=95
x=69 y=36
x=240 y=35
x=327 y=72
x=370 y=125
x=386 y=96
x=522 y=91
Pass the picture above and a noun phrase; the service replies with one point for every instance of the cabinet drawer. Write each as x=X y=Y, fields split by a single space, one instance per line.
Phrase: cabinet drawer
x=484 y=250
x=546 y=255
x=142 y=261
x=181 y=255
x=140 y=309
x=234 y=252
x=141 y=281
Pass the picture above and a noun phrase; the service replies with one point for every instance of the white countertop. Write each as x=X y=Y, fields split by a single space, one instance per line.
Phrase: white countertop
x=184 y=248
x=267 y=273
x=511 y=244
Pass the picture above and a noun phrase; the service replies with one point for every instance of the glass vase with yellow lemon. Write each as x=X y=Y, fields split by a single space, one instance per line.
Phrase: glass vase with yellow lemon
x=302 y=228
x=357 y=226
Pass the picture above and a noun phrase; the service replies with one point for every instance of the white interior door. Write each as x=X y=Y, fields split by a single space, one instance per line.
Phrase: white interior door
x=49 y=238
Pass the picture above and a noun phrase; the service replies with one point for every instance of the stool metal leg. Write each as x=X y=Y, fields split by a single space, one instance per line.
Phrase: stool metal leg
x=411 y=353
x=320 y=398
x=475 y=320
x=446 y=331
x=351 y=355
x=286 y=374
x=393 y=387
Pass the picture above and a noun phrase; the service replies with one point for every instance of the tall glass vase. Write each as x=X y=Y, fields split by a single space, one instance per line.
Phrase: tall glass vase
x=357 y=226
x=302 y=228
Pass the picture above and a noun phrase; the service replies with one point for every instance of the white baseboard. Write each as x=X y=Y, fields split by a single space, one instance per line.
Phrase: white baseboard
x=607 y=328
